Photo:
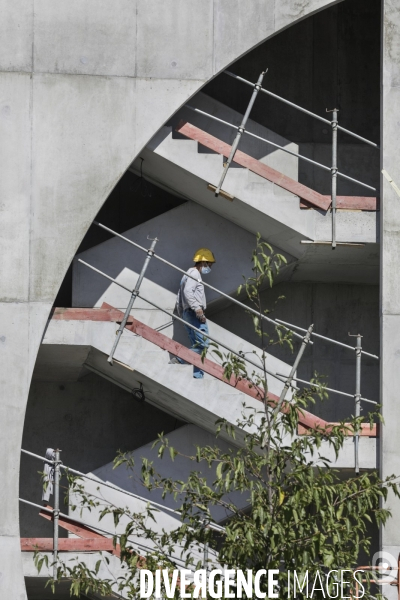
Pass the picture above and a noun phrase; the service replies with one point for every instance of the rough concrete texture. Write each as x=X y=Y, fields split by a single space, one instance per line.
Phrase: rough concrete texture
x=84 y=130
x=390 y=284
x=184 y=439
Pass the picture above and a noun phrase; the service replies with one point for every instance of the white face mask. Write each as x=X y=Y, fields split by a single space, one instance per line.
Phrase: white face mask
x=205 y=270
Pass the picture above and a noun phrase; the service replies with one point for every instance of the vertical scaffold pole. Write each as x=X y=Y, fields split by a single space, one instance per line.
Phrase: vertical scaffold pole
x=56 y=510
x=334 y=171
x=240 y=130
x=134 y=295
x=205 y=556
x=293 y=370
x=357 y=397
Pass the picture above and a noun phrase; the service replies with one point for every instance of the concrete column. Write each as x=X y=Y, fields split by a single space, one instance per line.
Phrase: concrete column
x=390 y=267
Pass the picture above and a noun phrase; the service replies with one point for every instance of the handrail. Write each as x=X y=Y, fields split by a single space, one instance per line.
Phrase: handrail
x=117 y=488
x=176 y=318
x=278 y=322
x=89 y=525
x=258 y=137
x=332 y=390
x=304 y=110
x=323 y=337
x=282 y=378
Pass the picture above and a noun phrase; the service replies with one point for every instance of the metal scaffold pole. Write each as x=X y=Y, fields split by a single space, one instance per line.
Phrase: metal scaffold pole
x=357 y=398
x=289 y=380
x=134 y=295
x=240 y=130
x=56 y=511
x=205 y=556
x=334 y=173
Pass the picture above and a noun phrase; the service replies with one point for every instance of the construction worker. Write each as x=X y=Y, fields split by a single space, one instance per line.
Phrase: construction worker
x=191 y=304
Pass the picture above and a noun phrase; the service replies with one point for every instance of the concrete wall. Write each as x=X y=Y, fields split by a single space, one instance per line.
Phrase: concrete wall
x=133 y=201
x=390 y=255
x=84 y=87
x=184 y=439
x=335 y=310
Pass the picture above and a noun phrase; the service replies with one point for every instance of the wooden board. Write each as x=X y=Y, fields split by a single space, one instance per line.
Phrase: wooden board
x=67 y=545
x=254 y=165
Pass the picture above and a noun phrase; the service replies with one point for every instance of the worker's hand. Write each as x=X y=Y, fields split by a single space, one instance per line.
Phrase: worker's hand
x=200 y=315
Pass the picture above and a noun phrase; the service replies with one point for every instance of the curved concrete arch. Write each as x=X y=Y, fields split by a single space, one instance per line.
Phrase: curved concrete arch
x=84 y=87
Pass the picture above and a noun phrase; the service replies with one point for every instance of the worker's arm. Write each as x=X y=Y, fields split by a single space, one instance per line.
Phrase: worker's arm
x=194 y=294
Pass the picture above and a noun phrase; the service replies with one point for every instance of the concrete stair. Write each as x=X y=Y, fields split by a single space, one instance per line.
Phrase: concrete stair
x=172 y=388
x=186 y=167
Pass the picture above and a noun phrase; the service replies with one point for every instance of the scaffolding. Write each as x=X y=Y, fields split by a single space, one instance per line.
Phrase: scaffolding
x=305 y=336
x=333 y=123
x=57 y=516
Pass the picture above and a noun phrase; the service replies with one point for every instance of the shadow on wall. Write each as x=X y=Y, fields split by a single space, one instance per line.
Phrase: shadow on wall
x=335 y=310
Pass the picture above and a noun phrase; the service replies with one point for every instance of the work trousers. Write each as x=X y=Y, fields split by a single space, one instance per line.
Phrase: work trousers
x=198 y=341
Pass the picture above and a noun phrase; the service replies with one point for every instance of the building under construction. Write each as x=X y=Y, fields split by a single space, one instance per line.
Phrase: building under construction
x=134 y=133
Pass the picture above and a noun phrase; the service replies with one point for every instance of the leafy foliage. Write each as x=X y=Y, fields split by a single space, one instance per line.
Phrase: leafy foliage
x=301 y=512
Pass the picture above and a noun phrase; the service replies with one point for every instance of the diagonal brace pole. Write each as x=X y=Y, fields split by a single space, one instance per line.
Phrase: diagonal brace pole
x=240 y=130
x=288 y=383
x=134 y=295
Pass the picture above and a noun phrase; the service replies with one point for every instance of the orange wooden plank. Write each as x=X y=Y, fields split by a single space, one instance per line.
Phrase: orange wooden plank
x=81 y=531
x=67 y=545
x=210 y=367
x=254 y=165
x=307 y=420
x=88 y=314
x=350 y=203
x=365 y=431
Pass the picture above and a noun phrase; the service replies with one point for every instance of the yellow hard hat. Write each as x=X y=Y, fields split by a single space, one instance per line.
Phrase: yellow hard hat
x=203 y=254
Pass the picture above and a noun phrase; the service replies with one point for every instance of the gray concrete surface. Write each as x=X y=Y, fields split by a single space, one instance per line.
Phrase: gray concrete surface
x=184 y=439
x=390 y=282
x=77 y=127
